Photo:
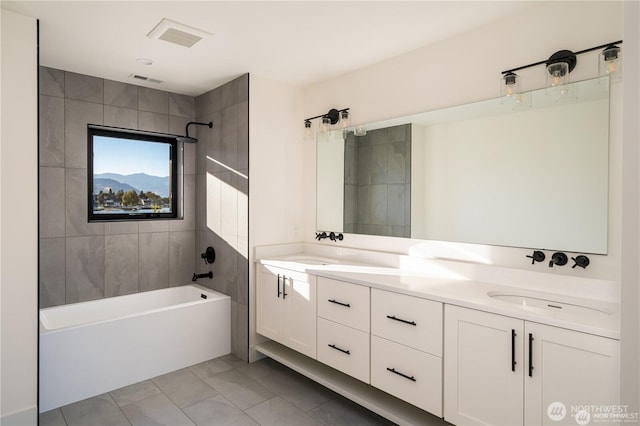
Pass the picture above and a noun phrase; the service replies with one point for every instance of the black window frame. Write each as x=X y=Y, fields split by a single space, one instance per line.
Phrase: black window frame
x=176 y=170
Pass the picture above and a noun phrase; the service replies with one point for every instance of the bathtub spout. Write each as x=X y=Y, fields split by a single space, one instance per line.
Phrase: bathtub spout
x=206 y=275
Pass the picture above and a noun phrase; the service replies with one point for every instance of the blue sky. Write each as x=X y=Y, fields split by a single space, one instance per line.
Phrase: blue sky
x=127 y=156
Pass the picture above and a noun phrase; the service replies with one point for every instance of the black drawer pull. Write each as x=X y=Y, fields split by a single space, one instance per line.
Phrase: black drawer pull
x=344 y=351
x=279 y=293
x=513 y=350
x=393 y=317
x=346 y=305
x=531 y=367
x=393 y=370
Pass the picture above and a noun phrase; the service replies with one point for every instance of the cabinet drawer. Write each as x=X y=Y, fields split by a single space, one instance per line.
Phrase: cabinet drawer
x=344 y=303
x=343 y=348
x=416 y=377
x=408 y=320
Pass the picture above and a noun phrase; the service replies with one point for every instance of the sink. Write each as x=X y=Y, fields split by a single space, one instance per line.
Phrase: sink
x=310 y=260
x=548 y=304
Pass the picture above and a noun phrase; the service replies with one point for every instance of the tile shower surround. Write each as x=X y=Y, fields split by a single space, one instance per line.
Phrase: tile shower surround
x=82 y=261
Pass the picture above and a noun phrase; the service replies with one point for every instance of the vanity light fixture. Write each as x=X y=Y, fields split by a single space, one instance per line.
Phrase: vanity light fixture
x=510 y=86
x=332 y=117
x=561 y=63
x=610 y=62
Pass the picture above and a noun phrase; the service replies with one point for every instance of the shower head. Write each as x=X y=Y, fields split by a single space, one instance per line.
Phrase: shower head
x=189 y=139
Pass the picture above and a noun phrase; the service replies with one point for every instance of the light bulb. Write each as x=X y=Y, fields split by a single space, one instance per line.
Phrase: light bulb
x=345 y=120
x=308 y=133
x=325 y=124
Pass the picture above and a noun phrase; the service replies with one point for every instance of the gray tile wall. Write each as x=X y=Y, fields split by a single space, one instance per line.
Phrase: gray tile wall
x=377 y=193
x=222 y=208
x=82 y=261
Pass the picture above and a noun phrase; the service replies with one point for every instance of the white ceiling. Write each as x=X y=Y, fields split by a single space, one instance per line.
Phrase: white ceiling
x=295 y=41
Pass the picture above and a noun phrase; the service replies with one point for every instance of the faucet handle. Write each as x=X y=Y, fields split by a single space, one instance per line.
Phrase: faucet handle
x=537 y=256
x=581 y=261
x=558 y=258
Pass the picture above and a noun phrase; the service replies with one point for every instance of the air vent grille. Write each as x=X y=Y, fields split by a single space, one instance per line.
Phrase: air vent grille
x=177 y=33
x=144 y=78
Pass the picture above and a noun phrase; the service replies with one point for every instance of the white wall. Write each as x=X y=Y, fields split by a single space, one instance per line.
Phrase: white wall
x=630 y=291
x=275 y=169
x=465 y=69
x=19 y=220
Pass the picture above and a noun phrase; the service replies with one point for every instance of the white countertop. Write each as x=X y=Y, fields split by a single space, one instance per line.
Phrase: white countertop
x=445 y=286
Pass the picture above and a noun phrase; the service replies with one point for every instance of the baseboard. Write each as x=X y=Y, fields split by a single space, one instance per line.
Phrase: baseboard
x=28 y=417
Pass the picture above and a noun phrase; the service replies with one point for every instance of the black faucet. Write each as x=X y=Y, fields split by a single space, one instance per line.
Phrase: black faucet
x=558 y=258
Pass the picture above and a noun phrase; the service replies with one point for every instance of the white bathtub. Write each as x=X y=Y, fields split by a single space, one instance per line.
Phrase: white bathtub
x=93 y=347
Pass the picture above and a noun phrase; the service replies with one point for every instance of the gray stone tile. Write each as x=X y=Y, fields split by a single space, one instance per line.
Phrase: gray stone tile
x=378 y=137
x=350 y=162
x=243 y=135
x=117 y=228
x=77 y=115
x=297 y=389
x=153 y=100
x=135 y=392
x=212 y=142
x=278 y=412
x=210 y=368
x=181 y=257
x=155 y=410
x=120 y=94
x=379 y=163
x=217 y=98
x=364 y=165
x=225 y=270
x=255 y=370
x=83 y=88
x=182 y=105
x=364 y=205
x=340 y=411
x=234 y=326
x=396 y=203
x=51 y=131
x=229 y=94
x=51 y=82
x=121 y=265
x=153 y=261
x=229 y=137
x=243 y=275
x=218 y=411
x=204 y=104
x=76 y=205
x=398 y=133
x=241 y=344
x=52 y=272
x=51 y=418
x=243 y=87
x=153 y=226
x=201 y=202
x=188 y=222
x=228 y=203
x=52 y=202
x=100 y=410
x=189 y=154
x=153 y=122
x=84 y=268
x=241 y=390
x=184 y=388
x=350 y=204
x=378 y=204
x=397 y=162
x=120 y=117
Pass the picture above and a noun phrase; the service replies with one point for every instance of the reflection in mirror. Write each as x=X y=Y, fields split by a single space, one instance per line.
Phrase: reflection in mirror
x=527 y=174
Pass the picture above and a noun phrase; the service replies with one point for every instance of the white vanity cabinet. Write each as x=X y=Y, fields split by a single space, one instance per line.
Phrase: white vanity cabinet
x=343 y=327
x=286 y=308
x=406 y=348
x=505 y=371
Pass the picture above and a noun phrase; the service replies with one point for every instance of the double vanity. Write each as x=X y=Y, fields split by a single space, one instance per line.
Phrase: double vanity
x=421 y=343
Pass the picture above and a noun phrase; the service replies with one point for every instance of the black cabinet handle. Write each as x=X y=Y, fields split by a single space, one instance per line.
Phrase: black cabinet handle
x=279 y=292
x=344 y=351
x=513 y=350
x=531 y=355
x=393 y=370
x=284 y=287
x=393 y=317
x=346 y=305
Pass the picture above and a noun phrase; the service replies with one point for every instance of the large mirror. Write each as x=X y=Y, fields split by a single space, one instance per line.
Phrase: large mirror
x=527 y=172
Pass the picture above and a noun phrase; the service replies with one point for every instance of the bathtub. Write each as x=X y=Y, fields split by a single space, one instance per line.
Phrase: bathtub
x=93 y=347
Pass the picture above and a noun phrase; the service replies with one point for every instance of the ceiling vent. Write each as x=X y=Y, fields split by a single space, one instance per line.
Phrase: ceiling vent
x=177 y=33
x=144 y=78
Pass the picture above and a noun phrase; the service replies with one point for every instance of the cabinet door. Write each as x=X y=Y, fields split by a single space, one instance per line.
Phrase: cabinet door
x=301 y=313
x=270 y=304
x=572 y=368
x=483 y=371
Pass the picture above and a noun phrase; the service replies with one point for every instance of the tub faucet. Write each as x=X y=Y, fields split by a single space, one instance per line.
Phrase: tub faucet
x=205 y=275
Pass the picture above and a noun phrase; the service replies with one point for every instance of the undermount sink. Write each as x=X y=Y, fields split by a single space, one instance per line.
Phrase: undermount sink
x=552 y=305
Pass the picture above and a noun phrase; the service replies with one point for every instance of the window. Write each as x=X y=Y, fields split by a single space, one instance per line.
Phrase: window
x=133 y=175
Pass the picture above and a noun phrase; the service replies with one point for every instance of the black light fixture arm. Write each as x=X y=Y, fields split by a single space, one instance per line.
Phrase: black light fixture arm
x=331 y=114
x=558 y=59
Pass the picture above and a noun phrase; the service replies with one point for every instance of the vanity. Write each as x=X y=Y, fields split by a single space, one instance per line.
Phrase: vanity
x=428 y=343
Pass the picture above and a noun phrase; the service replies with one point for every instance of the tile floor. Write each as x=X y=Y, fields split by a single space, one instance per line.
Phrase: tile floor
x=224 y=391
